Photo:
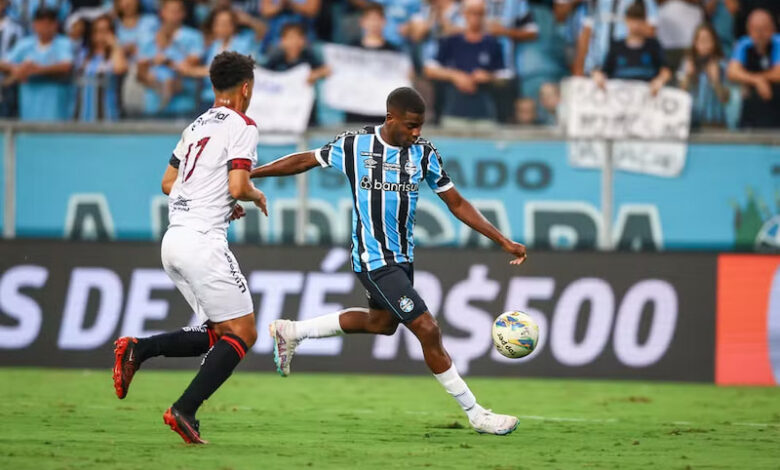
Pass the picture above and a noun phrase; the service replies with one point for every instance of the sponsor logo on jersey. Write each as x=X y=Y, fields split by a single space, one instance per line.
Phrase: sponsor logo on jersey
x=406 y=304
x=391 y=167
x=237 y=277
x=370 y=154
x=181 y=204
x=370 y=163
x=367 y=184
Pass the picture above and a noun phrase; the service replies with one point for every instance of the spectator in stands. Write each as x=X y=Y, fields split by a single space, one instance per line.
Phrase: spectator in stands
x=42 y=64
x=468 y=62
x=703 y=73
x=720 y=14
x=525 y=111
x=221 y=30
x=76 y=30
x=755 y=65
x=677 y=23
x=570 y=15
x=132 y=25
x=399 y=15
x=436 y=20
x=605 y=25
x=635 y=57
x=249 y=27
x=512 y=23
x=23 y=11
x=100 y=68
x=172 y=47
x=746 y=7
x=372 y=25
x=11 y=32
x=293 y=51
x=279 y=13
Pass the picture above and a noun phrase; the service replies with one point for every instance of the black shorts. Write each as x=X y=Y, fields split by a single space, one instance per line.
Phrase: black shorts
x=392 y=288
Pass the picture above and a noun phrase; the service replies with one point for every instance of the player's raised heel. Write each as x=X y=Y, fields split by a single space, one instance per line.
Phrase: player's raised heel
x=125 y=364
x=187 y=428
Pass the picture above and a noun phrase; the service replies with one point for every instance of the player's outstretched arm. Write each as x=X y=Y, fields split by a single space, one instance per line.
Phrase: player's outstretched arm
x=288 y=165
x=469 y=215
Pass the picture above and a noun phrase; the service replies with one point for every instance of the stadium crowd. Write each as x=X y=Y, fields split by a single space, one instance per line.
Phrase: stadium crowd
x=478 y=61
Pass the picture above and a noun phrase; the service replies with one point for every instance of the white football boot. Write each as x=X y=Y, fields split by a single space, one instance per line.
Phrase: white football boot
x=285 y=342
x=487 y=422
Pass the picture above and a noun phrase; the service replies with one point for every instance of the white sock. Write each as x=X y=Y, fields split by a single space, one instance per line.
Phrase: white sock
x=456 y=386
x=323 y=326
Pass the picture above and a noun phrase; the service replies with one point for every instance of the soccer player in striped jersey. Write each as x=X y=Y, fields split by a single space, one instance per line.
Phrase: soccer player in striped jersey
x=385 y=166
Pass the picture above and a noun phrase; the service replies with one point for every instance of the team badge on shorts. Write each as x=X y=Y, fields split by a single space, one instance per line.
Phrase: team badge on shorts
x=406 y=304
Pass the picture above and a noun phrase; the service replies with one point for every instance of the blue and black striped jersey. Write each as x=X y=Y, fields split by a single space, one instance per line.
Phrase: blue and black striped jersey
x=385 y=182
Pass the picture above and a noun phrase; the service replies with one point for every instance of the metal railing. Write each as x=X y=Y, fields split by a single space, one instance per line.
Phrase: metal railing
x=11 y=129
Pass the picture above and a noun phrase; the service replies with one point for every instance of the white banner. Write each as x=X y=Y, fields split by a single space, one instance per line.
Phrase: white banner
x=362 y=79
x=665 y=159
x=282 y=101
x=649 y=132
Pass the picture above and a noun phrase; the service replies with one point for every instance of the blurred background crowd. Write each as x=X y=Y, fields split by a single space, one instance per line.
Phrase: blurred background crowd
x=478 y=62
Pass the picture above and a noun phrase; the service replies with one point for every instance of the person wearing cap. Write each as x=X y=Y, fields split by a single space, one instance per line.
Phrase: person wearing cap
x=41 y=63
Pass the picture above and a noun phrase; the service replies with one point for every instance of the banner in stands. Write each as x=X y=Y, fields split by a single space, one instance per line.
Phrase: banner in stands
x=748 y=328
x=287 y=96
x=649 y=132
x=647 y=316
x=724 y=198
x=361 y=79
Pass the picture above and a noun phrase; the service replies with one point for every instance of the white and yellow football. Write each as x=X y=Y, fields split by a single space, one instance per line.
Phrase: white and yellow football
x=515 y=334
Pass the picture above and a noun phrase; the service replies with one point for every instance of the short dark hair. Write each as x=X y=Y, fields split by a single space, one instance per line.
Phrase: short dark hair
x=374 y=8
x=230 y=68
x=45 y=13
x=636 y=11
x=294 y=26
x=406 y=99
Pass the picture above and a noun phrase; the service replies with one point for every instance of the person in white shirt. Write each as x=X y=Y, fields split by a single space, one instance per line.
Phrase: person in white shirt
x=207 y=173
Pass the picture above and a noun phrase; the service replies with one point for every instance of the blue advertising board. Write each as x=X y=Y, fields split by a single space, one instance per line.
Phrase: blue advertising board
x=108 y=187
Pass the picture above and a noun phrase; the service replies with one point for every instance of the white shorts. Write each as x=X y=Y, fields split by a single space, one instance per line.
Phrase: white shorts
x=206 y=273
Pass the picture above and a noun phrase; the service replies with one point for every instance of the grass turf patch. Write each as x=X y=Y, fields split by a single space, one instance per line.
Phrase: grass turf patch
x=71 y=419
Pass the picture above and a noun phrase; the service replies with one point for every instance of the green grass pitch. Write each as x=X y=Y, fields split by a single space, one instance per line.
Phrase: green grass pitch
x=70 y=419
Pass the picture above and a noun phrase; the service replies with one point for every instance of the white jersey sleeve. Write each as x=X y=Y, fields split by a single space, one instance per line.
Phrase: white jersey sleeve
x=181 y=148
x=243 y=146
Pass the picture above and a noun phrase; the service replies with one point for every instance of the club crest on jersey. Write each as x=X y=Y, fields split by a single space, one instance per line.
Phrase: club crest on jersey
x=410 y=168
x=370 y=163
x=406 y=304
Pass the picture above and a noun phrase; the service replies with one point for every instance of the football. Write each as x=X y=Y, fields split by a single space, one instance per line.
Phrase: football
x=515 y=334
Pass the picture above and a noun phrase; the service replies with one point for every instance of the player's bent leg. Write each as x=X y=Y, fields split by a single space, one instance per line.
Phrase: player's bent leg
x=483 y=421
x=287 y=334
x=427 y=331
x=236 y=336
x=130 y=353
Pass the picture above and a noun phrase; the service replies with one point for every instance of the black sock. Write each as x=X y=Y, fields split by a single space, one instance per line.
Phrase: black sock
x=187 y=342
x=215 y=369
